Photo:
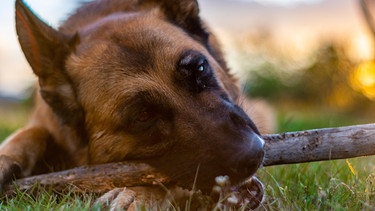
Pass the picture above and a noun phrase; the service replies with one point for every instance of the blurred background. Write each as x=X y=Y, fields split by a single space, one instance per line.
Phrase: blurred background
x=312 y=60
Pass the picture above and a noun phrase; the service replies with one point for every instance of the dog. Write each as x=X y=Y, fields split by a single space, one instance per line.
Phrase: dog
x=131 y=80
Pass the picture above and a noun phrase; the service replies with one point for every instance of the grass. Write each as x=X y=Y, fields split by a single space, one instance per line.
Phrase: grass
x=327 y=185
x=330 y=185
x=48 y=201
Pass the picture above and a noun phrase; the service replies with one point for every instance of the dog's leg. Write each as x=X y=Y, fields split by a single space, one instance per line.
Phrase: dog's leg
x=20 y=152
x=141 y=197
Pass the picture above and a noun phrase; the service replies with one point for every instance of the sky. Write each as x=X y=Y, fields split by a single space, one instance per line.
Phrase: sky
x=295 y=24
x=15 y=74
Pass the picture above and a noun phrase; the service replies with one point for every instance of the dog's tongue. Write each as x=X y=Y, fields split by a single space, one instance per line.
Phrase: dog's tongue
x=248 y=195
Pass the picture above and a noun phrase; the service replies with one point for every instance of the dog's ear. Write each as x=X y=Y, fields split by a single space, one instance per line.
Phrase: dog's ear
x=46 y=50
x=185 y=13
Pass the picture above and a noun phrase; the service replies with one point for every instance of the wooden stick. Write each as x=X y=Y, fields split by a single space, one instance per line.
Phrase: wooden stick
x=94 y=179
x=285 y=148
x=320 y=144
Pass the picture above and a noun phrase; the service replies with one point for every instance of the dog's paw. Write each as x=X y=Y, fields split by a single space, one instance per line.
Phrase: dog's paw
x=117 y=199
x=251 y=193
x=246 y=196
x=9 y=169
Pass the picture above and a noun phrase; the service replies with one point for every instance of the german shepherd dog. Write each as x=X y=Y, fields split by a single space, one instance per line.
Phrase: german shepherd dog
x=132 y=80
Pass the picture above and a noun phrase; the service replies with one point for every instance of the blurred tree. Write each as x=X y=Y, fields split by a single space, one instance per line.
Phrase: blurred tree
x=324 y=83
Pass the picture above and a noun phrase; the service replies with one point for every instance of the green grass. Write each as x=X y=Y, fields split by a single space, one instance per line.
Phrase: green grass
x=328 y=185
x=48 y=201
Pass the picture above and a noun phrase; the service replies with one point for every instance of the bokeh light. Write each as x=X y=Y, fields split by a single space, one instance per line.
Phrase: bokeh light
x=363 y=79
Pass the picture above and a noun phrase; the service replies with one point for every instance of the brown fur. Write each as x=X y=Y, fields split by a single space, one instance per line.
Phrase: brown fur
x=118 y=81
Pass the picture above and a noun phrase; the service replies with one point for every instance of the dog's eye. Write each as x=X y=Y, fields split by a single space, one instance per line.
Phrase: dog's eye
x=194 y=72
x=202 y=66
x=141 y=122
x=192 y=66
x=144 y=116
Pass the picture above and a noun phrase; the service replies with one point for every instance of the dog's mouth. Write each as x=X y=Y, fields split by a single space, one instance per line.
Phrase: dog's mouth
x=247 y=195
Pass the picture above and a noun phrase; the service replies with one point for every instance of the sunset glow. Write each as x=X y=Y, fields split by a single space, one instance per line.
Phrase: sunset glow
x=363 y=79
x=361 y=48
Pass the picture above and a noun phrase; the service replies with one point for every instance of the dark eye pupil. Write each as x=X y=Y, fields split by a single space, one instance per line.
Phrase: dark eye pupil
x=144 y=116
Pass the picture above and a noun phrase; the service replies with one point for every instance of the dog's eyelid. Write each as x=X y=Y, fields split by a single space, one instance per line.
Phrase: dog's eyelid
x=191 y=59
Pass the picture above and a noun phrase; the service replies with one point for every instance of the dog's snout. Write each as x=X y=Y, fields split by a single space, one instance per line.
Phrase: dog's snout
x=240 y=119
x=257 y=148
x=237 y=119
x=261 y=142
x=256 y=143
x=250 y=157
x=249 y=145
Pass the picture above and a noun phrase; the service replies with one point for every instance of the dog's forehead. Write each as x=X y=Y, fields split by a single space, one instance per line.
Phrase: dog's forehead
x=135 y=30
x=136 y=41
x=124 y=54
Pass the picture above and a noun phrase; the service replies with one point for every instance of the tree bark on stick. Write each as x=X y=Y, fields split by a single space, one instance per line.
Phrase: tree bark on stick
x=285 y=148
x=320 y=144
x=96 y=179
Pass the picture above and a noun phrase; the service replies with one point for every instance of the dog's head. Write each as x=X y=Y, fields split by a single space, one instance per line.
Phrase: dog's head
x=144 y=82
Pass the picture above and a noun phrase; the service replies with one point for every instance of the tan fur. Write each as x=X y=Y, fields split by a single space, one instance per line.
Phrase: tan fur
x=121 y=80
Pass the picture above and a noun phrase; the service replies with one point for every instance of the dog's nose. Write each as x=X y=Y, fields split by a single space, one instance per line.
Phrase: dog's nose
x=258 y=147
x=254 y=152
x=257 y=142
